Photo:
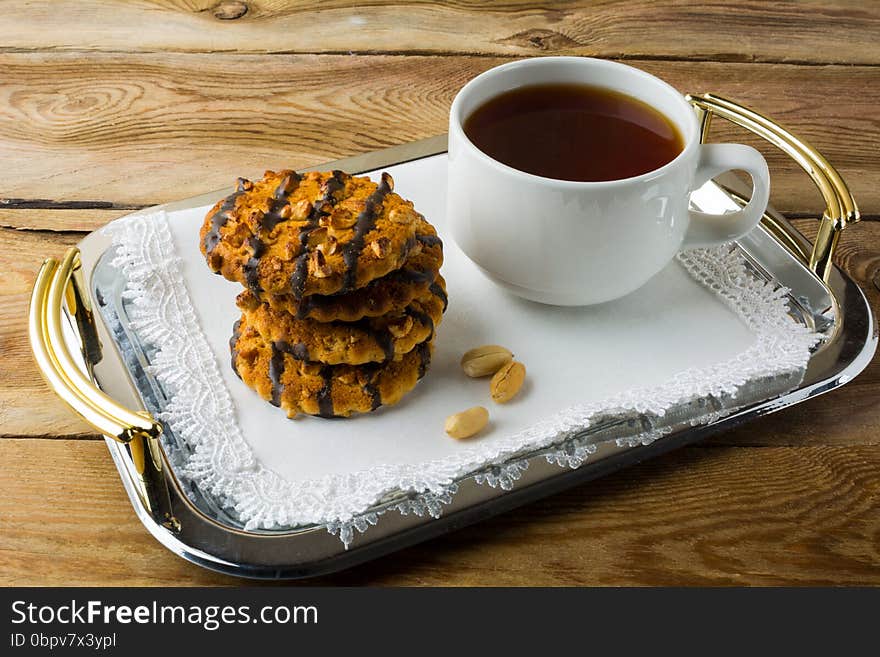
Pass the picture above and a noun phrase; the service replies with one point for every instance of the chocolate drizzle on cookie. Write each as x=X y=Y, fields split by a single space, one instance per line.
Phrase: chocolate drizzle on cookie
x=438 y=291
x=306 y=304
x=424 y=357
x=321 y=207
x=371 y=388
x=423 y=318
x=276 y=371
x=414 y=276
x=325 y=394
x=233 y=342
x=383 y=337
x=274 y=215
x=375 y=396
x=221 y=216
x=429 y=240
x=269 y=220
x=298 y=280
x=252 y=266
x=335 y=183
x=298 y=350
x=366 y=220
x=386 y=342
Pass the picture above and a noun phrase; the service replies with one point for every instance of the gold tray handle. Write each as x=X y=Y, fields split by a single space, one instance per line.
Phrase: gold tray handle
x=53 y=287
x=137 y=432
x=840 y=207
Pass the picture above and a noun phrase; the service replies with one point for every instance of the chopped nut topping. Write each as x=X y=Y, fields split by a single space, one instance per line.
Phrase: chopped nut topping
x=247 y=301
x=316 y=237
x=288 y=184
x=343 y=218
x=380 y=247
x=329 y=246
x=301 y=210
x=403 y=215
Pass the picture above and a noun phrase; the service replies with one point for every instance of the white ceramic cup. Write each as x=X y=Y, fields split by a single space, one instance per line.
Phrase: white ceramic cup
x=577 y=243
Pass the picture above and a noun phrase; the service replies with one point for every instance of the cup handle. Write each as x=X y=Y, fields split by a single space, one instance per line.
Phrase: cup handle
x=711 y=229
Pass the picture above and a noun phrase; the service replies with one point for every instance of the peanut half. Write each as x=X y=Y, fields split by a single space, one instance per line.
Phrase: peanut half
x=467 y=423
x=485 y=360
x=507 y=382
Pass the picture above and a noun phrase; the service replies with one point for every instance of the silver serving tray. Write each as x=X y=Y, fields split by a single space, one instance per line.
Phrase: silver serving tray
x=105 y=351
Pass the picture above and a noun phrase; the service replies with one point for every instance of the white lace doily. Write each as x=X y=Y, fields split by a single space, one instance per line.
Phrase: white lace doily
x=201 y=412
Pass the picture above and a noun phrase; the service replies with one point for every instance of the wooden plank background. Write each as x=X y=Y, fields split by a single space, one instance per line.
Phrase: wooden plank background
x=109 y=106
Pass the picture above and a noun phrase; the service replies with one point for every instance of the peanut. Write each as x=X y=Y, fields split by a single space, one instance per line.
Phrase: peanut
x=507 y=381
x=485 y=360
x=467 y=423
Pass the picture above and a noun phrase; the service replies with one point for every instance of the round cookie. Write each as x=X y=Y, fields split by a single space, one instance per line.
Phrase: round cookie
x=315 y=233
x=391 y=293
x=368 y=340
x=317 y=389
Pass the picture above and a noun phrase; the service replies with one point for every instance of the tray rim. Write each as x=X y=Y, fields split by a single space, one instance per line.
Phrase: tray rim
x=374 y=543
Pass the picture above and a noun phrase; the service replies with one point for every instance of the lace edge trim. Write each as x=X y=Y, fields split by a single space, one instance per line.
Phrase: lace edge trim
x=200 y=408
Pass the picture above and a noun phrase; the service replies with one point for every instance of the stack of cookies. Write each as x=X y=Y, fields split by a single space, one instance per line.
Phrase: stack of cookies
x=342 y=289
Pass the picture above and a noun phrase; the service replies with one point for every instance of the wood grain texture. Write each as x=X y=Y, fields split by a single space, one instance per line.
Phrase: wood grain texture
x=27 y=408
x=58 y=220
x=135 y=130
x=806 y=31
x=722 y=516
